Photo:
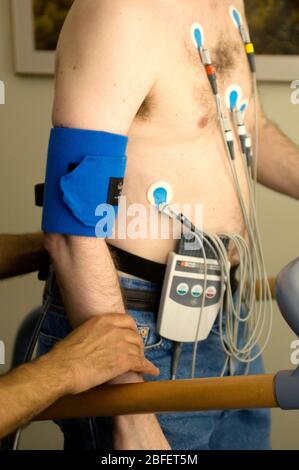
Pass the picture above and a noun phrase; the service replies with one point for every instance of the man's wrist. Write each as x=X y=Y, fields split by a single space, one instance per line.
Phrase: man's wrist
x=27 y=391
x=62 y=372
x=129 y=378
x=56 y=376
x=138 y=432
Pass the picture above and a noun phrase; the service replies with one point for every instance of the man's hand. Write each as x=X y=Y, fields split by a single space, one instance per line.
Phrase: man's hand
x=100 y=350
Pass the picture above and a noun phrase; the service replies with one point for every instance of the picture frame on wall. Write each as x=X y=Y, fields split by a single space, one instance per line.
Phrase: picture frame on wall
x=36 y=26
x=274 y=27
x=37 y=23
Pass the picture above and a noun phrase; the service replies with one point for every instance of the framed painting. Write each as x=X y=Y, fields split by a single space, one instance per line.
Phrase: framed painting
x=36 y=27
x=274 y=28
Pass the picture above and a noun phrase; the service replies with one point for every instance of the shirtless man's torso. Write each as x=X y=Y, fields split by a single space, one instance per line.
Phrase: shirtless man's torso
x=130 y=67
x=175 y=134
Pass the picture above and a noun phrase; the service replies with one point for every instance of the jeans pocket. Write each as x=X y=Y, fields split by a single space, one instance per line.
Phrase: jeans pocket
x=147 y=327
x=46 y=343
x=55 y=327
x=145 y=322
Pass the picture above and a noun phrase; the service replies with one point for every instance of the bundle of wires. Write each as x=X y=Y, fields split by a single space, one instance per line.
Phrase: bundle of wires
x=245 y=322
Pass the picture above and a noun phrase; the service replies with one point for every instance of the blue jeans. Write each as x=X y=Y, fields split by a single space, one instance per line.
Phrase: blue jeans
x=208 y=430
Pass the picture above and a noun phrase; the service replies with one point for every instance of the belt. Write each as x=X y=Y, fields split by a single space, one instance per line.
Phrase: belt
x=138 y=299
x=141 y=300
x=137 y=266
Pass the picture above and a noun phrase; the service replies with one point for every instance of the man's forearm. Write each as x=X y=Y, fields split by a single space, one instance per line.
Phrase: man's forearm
x=21 y=254
x=28 y=390
x=86 y=276
x=278 y=166
x=89 y=286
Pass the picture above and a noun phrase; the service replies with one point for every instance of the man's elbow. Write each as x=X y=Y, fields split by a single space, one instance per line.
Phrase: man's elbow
x=55 y=243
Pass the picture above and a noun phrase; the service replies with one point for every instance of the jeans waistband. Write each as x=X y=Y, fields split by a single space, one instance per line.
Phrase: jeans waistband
x=150 y=271
x=138 y=294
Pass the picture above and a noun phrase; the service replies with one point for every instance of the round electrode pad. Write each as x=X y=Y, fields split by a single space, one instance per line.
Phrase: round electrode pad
x=243 y=106
x=236 y=16
x=160 y=193
x=233 y=97
x=197 y=35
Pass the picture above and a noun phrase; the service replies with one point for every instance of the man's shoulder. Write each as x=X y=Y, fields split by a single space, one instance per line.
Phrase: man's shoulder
x=132 y=6
x=121 y=10
x=117 y=19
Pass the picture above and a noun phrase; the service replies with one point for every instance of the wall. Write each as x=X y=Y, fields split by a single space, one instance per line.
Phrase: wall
x=24 y=127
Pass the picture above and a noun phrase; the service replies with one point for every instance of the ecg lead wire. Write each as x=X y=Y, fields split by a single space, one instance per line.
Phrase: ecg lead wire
x=256 y=265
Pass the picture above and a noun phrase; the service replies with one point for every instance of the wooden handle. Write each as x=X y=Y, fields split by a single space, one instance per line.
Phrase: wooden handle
x=173 y=396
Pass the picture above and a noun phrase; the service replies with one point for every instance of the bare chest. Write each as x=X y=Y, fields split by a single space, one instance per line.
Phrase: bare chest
x=182 y=99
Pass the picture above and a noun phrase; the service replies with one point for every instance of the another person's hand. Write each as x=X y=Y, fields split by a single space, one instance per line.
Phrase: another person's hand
x=101 y=349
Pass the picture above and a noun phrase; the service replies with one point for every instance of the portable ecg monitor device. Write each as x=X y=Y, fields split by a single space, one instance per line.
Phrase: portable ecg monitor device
x=190 y=304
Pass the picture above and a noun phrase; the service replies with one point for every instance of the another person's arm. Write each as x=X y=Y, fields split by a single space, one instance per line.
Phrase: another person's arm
x=101 y=349
x=107 y=62
x=21 y=254
x=278 y=164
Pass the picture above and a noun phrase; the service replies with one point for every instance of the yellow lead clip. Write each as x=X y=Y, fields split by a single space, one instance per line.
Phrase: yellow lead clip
x=249 y=48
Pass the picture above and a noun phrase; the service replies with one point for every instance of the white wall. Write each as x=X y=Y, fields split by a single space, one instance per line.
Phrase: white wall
x=24 y=130
x=24 y=127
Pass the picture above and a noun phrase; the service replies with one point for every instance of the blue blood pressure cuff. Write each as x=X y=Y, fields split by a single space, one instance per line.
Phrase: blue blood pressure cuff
x=84 y=179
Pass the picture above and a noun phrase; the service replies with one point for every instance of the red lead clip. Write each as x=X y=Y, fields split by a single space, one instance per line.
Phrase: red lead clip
x=211 y=69
x=211 y=73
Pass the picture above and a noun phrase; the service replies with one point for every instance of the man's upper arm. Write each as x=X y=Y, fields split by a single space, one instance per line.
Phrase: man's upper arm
x=106 y=64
